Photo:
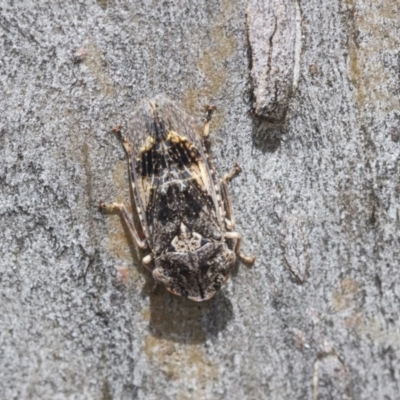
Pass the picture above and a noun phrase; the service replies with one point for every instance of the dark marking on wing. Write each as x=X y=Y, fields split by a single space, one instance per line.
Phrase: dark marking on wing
x=164 y=155
x=177 y=204
x=164 y=213
x=194 y=202
x=174 y=192
x=152 y=162
x=184 y=270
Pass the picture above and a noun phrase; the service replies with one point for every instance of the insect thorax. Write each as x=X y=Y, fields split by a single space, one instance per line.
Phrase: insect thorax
x=194 y=266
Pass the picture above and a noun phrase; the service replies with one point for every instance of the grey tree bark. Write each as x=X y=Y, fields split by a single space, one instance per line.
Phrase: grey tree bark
x=317 y=202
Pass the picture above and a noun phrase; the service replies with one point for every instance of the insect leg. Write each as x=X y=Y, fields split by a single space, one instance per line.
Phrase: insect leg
x=147 y=262
x=117 y=130
x=229 y=216
x=236 y=170
x=246 y=260
x=142 y=244
x=230 y=219
x=209 y=112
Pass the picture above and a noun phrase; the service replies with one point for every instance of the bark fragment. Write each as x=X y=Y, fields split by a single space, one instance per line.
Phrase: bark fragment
x=274 y=34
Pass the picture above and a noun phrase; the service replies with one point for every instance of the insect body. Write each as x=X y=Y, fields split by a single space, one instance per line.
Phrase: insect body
x=184 y=211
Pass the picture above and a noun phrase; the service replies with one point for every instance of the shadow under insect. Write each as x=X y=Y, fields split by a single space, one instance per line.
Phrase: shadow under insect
x=267 y=136
x=177 y=319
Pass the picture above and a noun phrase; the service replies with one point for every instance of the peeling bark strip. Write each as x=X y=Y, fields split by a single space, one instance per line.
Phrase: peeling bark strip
x=274 y=33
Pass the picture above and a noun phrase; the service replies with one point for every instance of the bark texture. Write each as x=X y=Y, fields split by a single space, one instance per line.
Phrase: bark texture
x=317 y=202
x=274 y=35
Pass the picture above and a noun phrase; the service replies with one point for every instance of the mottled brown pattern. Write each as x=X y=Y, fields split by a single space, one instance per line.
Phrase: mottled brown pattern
x=187 y=226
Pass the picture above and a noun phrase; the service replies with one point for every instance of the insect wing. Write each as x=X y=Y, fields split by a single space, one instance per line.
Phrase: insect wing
x=171 y=172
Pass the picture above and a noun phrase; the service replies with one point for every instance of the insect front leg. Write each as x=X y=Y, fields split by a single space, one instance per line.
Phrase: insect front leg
x=236 y=170
x=229 y=216
x=246 y=260
x=119 y=207
x=117 y=130
x=209 y=112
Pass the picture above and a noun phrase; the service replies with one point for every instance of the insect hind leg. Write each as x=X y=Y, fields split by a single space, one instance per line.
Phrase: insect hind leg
x=248 y=261
x=120 y=207
x=229 y=216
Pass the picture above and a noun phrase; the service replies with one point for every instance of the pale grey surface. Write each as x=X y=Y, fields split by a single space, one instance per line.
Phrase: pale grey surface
x=324 y=204
x=274 y=40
